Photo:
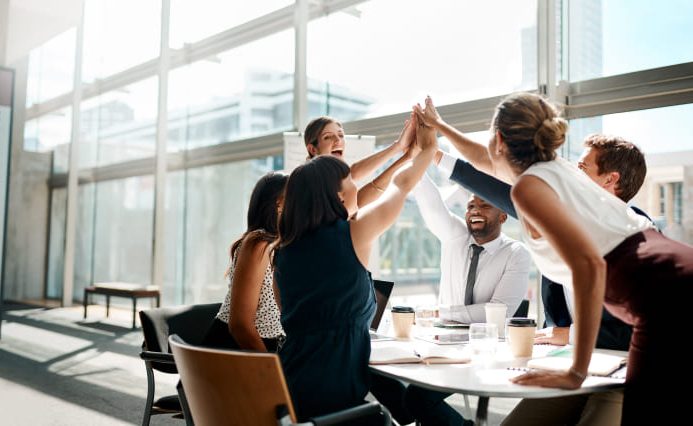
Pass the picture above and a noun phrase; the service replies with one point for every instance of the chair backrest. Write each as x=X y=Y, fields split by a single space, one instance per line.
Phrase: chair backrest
x=189 y=321
x=226 y=387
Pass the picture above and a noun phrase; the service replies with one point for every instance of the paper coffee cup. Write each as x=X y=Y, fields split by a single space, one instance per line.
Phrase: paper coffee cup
x=402 y=321
x=520 y=336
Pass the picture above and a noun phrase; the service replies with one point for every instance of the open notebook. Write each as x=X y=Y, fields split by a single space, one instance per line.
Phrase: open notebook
x=562 y=359
x=405 y=354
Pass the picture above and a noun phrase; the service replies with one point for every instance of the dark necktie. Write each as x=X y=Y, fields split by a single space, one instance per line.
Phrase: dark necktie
x=471 y=276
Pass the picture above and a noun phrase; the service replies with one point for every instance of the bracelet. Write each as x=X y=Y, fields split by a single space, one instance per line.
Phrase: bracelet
x=379 y=189
x=579 y=375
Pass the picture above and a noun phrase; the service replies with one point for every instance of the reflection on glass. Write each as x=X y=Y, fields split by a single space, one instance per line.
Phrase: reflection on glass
x=205 y=212
x=119 y=125
x=48 y=132
x=247 y=91
x=119 y=35
x=123 y=230
x=465 y=50
x=619 y=36
x=56 y=245
x=193 y=20
x=51 y=68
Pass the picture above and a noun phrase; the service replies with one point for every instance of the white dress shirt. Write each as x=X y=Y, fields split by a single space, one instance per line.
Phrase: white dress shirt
x=502 y=272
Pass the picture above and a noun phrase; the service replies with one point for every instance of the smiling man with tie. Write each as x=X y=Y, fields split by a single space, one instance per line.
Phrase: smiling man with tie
x=478 y=263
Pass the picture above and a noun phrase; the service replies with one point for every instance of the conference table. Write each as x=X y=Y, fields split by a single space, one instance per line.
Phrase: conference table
x=488 y=378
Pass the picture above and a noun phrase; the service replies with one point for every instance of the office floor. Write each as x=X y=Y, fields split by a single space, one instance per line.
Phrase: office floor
x=58 y=369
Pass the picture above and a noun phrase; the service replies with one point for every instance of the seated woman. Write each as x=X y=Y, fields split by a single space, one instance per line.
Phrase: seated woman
x=582 y=236
x=249 y=316
x=321 y=271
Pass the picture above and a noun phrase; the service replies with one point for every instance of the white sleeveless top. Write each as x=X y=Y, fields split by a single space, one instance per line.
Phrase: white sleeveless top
x=267 y=316
x=606 y=217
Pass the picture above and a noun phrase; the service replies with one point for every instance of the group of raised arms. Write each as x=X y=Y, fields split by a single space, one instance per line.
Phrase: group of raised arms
x=299 y=282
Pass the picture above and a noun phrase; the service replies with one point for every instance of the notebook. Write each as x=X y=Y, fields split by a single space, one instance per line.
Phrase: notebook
x=561 y=359
x=383 y=289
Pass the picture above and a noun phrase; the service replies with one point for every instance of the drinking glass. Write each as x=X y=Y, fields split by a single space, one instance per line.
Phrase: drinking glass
x=483 y=338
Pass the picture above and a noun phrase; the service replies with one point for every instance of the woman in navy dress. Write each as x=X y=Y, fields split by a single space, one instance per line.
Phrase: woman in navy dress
x=321 y=271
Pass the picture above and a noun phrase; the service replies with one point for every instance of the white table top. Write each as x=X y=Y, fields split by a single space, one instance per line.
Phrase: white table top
x=487 y=379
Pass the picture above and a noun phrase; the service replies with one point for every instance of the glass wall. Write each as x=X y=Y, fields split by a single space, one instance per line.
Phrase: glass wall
x=393 y=60
x=192 y=21
x=119 y=125
x=227 y=85
x=51 y=68
x=236 y=94
x=119 y=35
x=123 y=230
x=609 y=37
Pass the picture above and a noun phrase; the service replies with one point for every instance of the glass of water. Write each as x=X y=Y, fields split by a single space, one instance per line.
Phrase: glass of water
x=483 y=338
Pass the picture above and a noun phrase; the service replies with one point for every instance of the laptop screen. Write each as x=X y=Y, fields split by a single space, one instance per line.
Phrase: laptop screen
x=383 y=289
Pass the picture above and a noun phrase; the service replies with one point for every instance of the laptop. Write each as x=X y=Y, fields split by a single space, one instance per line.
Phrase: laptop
x=383 y=289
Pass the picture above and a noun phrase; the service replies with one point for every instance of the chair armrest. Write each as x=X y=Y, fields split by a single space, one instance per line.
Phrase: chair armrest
x=162 y=357
x=349 y=415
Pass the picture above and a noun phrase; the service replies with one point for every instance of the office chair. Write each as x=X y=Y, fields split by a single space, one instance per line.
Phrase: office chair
x=233 y=387
x=189 y=321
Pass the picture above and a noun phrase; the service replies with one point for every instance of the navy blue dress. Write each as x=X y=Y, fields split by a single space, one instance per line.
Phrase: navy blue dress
x=327 y=302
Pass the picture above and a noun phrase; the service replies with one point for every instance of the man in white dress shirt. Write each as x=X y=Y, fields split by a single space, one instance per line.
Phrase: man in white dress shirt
x=478 y=264
x=501 y=273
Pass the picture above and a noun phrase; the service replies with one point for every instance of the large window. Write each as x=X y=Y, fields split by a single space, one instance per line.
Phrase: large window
x=49 y=131
x=244 y=92
x=609 y=37
x=193 y=20
x=119 y=35
x=119 y=125
x=125 y=204
x=51 y=68
x=391 y=54
x=205 y=213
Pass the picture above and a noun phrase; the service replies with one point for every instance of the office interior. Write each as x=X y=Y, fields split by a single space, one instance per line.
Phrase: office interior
x=132 y=132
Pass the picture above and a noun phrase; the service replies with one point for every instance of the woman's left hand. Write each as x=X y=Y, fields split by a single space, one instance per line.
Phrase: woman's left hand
x=548 y=379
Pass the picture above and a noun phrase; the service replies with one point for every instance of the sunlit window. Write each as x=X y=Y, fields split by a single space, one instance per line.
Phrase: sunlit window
x=394 y=53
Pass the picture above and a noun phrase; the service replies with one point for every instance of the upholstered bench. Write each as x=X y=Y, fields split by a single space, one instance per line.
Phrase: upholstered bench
x=127 y=290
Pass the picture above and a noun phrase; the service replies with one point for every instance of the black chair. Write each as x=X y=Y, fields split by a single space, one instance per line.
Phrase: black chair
x=190 y=321
x=522 y=310
x=238 y=388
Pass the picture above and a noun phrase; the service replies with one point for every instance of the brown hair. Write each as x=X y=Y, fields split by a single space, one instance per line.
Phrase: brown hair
x=615 y=154
x=313 y=129
x=311 y=198
x=530 y=127
x=262 y=212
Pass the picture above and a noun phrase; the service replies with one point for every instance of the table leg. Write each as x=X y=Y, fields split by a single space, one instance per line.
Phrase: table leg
x=482 y=411
x=134 y=310
x=108 y=304
x=84 y=301
x=158 y=301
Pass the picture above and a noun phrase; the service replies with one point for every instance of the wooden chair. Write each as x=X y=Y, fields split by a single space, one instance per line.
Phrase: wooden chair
x=225 y=387
x=190 y=321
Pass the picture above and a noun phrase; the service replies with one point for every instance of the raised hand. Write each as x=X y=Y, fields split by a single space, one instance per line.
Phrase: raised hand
x=428 y=115
x=407 y=136
x=425 y=135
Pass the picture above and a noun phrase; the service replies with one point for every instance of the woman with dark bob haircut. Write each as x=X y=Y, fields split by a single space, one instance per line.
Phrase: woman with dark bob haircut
x=249 y=316
x=321 y=271
x=581 y=235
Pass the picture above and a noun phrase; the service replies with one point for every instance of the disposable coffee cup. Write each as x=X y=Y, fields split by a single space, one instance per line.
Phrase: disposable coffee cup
x=520 y=336
x=495 y=314
x=402 y=321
